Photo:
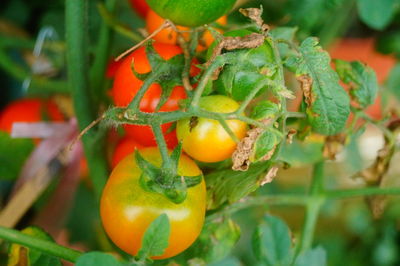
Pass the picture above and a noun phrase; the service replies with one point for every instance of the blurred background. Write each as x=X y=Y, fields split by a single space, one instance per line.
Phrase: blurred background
x=32 y=35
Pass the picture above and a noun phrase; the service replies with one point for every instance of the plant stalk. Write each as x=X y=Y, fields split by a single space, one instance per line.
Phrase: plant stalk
x=77 y=58
x=45 y=246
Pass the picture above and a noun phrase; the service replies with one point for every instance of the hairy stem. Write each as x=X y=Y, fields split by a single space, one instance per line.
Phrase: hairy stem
x=204 y=80
x=45 y=246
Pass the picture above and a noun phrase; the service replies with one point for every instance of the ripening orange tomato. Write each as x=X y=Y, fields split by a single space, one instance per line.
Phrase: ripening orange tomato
x=127 y=209
x=205 y=139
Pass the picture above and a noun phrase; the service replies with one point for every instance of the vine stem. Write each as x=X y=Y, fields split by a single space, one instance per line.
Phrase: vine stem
x=204 y=80
x=98 y=69
x=259 y=200
x=45 y=246
x=313 y=207
x=78 y=81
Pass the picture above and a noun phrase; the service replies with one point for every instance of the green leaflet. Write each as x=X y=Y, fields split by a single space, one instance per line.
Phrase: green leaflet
x=328 y=105
x=376 y=14
x=362 y=79
x=265 y=145
x=155 y=239
x=264 y=110
x=229 y=185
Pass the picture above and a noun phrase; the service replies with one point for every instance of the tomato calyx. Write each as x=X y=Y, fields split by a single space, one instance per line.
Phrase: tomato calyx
x=165 y=180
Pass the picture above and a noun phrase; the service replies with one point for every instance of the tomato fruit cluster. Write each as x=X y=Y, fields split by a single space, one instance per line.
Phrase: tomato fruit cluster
x=127 y=206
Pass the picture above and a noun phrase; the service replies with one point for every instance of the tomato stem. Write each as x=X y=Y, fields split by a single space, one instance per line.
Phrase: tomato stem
x=312 y=208
x=45 y=246
x=218 y=62
x=77 y=58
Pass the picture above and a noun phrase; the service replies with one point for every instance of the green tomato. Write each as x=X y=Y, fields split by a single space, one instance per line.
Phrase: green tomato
x=191 y=13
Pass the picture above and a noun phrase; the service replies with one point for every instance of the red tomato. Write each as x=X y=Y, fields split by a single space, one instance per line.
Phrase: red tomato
x=126 y=85
x=140 y=6
x=154 y=21
x=124 y=147
x=29 y=110
x=112 y=68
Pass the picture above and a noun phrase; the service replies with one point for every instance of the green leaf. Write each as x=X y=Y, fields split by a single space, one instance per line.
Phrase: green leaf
x=216 y=241
x=20 y=255
x=393 y=83
x=10 y=166
x=230 y=186
x=362 y=79
x=312 y=257
x=155 y=239
x=328 y=105
x=265 y=145
x=272 y=243
x=245 y=68
x=96 y=258
x=265 y=110
x=288 y=34
x=376 y=14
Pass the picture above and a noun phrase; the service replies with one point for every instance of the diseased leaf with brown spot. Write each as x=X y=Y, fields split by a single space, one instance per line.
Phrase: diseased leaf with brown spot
x=269 y=177
x=328 y=105
x=333 y=145
x=230 y=186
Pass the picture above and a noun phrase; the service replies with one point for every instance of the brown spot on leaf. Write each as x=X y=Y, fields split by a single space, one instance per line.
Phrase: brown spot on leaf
x=241 y=156
x=255 y=15
x=333 y=145
x=306 y=85
x=269 y=177
x=252 y=40
x=373 y=175
x=290 y=135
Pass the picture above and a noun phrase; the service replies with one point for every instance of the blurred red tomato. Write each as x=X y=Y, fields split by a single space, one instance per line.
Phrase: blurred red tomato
x=29 y=110
x=140 y=6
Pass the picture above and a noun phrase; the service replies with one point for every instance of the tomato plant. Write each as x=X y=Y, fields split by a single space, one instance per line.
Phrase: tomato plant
x=232 y=116
x=127 y=209
x=29 y=110
x=205 y=139
x=126 y=85
x=191 y=13
x=168 y=35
